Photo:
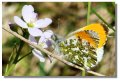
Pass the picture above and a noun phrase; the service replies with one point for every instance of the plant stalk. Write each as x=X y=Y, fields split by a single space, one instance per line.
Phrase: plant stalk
x=88 y=13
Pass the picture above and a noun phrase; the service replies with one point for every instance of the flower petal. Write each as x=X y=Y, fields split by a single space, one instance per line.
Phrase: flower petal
x=32 y=39
x=38 y=54
x=48 y=34
x=42 y=42
x=20 y=22
x=28 y=13
x=42 y=38
x=35 y=32
x=42 y=23
x=49 y=43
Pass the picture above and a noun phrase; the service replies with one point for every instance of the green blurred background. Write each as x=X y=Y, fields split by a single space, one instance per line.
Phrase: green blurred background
x=67 y=17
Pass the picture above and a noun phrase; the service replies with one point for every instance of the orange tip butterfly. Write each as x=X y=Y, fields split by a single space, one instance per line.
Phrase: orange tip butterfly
x=85 y=46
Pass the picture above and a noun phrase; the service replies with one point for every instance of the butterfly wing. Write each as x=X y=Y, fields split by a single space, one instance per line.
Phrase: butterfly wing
x=100 y=31
x=85 y=46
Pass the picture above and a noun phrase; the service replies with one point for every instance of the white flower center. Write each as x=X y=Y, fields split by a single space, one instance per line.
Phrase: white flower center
x=31 y=25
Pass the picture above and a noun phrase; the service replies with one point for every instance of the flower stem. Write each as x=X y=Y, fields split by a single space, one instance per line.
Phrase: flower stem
x=9 y=70
x=18 y=52
x=24 y=56
x=25 y=34
x=88 y=13
x=10 y=66
x=83 y=72
x=10 y=61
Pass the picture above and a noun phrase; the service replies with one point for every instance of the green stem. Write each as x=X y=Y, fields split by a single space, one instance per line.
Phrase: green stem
x=9 y=70
x=83 y=72
x=11 y=56
x=6 y=69
x=103 y=19
x=41 y=68
x=18 y=52
x=10 y=67
x=10 y=60
x=24 y=56
x=88 y=13
x=25 y=34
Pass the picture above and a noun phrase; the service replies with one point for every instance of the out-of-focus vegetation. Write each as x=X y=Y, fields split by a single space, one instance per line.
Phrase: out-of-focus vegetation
x=67 y=17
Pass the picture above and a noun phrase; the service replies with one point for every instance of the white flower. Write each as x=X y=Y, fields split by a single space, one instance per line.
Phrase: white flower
x=44 y=42
x=30 y=21
x=45 y=36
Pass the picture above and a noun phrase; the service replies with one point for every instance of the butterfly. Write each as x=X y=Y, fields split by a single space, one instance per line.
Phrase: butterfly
x=85 y=46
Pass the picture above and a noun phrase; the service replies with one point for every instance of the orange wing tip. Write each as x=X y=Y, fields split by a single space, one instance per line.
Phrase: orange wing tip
x=100 y=30
x=85 y=36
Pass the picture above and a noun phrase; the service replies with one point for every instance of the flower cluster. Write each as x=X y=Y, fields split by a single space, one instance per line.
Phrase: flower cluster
x=34 y=27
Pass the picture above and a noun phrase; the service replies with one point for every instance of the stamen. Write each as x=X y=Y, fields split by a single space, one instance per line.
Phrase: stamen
x=30 y=25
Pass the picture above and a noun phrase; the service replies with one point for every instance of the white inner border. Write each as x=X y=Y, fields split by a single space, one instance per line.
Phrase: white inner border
x=64 y=79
